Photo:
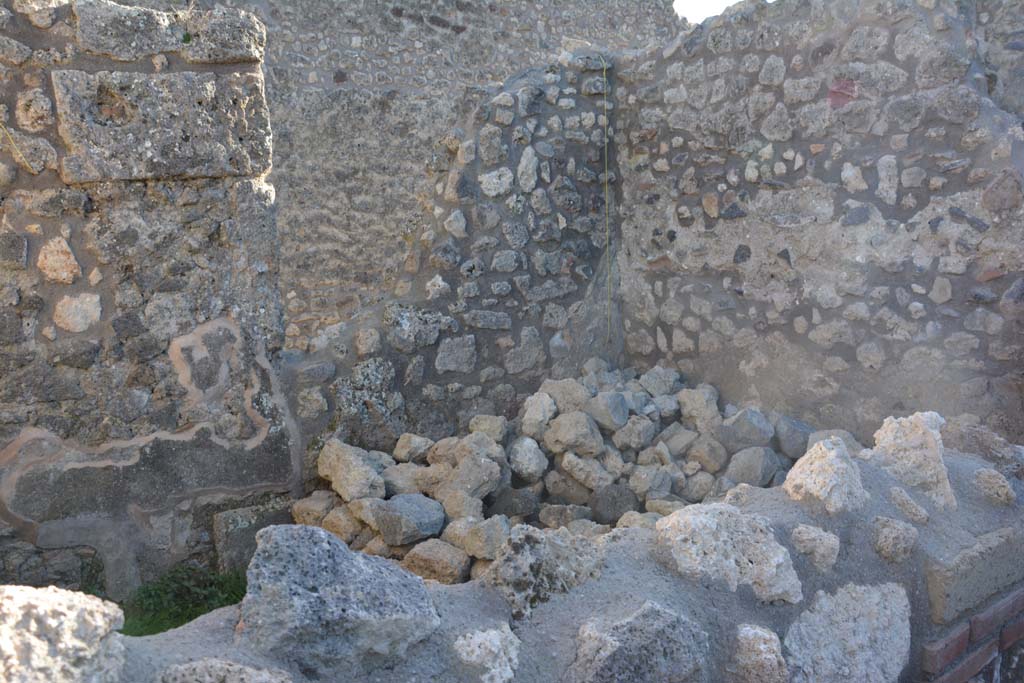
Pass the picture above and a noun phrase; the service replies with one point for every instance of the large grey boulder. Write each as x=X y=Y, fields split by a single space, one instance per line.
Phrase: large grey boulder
x=652 y=644
x=314 y=603
x=860 y=633
x=53 y=635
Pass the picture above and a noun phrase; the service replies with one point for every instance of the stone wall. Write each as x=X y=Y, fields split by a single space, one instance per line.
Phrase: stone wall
x=172 y=338
x=363 y=96
x=138 y=278
x=822 y=208
x=815 y=206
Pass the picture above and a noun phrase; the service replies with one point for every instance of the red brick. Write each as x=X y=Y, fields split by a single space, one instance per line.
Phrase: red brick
x=1012 y=632
x=940 y=653
x=989 y=620
x=972 y=663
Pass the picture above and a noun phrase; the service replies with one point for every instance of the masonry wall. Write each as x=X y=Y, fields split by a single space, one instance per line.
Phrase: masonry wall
x=138 y=278
x=177 y=333
x=819 y=214
x=822 y=209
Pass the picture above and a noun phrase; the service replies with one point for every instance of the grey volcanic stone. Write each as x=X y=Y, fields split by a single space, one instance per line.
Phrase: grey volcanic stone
x=409 y=517
x=755 y=466
x=791 y=435
x=535 y=563
x=527 y=459
x=456 y=354
x=652 y=644
x=609 y=409
x=637 y=433
x=314 y=603
x=608 y=503
x=747 y=428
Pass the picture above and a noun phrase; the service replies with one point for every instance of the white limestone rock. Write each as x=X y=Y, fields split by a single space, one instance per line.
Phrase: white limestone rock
x=827 y=474
x=860 y=633
x=212 y=670
x=496 y=650
x=719 y=542
x=910 y=449
x=53 y=635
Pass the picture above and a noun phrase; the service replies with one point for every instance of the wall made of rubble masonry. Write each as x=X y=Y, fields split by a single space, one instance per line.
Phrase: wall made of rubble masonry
x=820 y=214
x=822 y=210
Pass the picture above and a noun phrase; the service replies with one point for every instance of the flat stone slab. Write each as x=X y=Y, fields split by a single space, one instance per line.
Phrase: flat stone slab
x=134 y=126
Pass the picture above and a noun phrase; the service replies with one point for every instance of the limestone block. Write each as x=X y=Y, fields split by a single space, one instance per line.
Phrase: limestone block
x=134 y=126
x=859 y=633
x=718 y=542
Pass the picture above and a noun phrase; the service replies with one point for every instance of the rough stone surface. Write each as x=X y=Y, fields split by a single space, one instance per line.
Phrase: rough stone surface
x=893 y=540
x=438 y=561
x=758 y=656
x=527 y=460
x=652 y=644
x=77 y=313
x=535 y=564
x=50 y=634
x=755 y=466
x=994 y=487
x=610 y=502
x=236 y=141
x=827 y=475
x=409 y=517
x=312 y=601
x=716 y=542
x=746 y=429
x=911 y=450
x=821 y=546
x=859 y=633
x=495 y=650
x=221 y=671
x=574 y=431
x=353 y=472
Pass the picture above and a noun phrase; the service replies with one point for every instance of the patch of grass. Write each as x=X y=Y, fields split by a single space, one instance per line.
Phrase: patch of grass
x=179 y=596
